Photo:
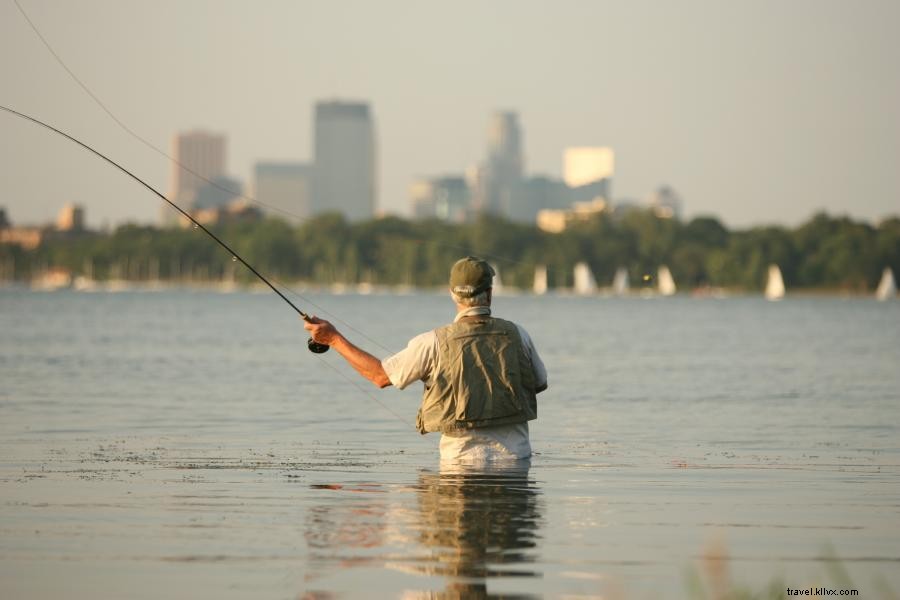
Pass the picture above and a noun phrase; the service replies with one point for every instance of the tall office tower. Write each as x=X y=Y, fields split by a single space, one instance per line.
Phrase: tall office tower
x=203 y=153
x=284 y=189
x=345 y=160
x=502 y=172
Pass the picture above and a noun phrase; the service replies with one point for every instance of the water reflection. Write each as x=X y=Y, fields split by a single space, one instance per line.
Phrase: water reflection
x=465 y=524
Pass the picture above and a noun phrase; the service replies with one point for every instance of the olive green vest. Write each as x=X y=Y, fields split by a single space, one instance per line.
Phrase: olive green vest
x=483 y=378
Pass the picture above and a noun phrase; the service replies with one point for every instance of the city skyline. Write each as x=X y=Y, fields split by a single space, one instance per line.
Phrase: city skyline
x=754 y=112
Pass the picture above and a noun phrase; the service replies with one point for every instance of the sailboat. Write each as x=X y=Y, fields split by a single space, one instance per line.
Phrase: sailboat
x=665 y=282
x=620 y=283
x=887 y=287
x=775 y=284
x=540 y=280
x=585 y=283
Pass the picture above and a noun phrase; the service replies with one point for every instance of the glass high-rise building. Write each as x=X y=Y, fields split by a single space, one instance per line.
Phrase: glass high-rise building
x=345 y=160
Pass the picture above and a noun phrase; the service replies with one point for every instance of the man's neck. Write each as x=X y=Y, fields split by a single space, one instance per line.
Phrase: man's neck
x=472 y=310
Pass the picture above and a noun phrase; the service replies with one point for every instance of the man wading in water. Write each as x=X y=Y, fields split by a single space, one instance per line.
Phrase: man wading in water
x=481 y=374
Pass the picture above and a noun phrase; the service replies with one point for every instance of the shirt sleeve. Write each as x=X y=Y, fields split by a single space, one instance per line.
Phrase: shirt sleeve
x=540 y=371
x=413 y=363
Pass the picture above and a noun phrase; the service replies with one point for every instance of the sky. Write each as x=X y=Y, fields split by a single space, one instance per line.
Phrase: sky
x=756 y=112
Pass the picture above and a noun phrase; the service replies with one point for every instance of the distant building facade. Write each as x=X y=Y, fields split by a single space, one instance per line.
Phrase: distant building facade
x=71 y=218
x=535 y=194
x=584 y=165
x=203 y=156
x=70 y=224
x=218 y=192
x=666 y=203
x=284 y=189
x=557 y=221
x=239 y=211
x=445 y=198
x=28 y=238
x=345 y=160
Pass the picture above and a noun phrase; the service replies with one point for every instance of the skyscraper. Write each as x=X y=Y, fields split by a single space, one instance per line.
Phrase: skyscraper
x=203 y=153
x=284 y=189
x=345 y=161
x=501 y=174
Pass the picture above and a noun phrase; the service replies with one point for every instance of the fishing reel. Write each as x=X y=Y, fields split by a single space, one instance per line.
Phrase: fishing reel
x=316 y=347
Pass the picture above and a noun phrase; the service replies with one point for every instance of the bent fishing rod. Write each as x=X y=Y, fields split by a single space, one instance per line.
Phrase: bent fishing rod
x=313 y=346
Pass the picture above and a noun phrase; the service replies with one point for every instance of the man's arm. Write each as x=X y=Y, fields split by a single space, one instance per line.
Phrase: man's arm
x=540 y=371
x=365 y=364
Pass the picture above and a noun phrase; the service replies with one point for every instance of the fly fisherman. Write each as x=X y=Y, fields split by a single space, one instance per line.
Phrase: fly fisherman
x=481 y=374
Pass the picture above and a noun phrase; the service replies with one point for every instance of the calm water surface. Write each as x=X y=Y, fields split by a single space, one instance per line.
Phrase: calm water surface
x=186 y=445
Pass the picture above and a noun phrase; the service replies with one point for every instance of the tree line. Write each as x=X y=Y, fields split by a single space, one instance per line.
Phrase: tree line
x=826 y=252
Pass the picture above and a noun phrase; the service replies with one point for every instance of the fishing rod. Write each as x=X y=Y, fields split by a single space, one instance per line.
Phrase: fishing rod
x=313 y=346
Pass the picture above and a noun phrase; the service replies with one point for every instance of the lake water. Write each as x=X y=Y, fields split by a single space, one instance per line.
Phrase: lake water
x=186 y=445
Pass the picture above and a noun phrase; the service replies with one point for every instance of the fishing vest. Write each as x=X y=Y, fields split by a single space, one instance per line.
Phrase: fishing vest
x=483 y=378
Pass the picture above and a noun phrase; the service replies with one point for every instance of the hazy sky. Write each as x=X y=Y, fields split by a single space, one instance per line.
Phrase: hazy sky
x=756 y=111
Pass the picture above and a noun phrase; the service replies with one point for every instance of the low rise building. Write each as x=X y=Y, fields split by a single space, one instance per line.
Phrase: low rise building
x=557 y=221
x=446 y=198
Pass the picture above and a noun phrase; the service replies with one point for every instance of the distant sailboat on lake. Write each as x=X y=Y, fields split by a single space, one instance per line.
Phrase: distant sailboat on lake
x=620 y=283
x=887 y=287
x=585 y=284
x=665 y=282
x=775 y=284
x=540 y=280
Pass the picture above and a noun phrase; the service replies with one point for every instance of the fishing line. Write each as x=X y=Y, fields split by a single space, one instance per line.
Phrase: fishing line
x=181 y=165
x=324 y=310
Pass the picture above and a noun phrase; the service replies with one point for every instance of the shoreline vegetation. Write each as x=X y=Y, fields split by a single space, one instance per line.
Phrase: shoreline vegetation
x=53 y=282
x=824 y=256
x=711 y=578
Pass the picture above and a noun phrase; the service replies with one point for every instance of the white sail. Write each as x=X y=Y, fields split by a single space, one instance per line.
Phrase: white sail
x=775 y=284
x=584 y=280
x=665 y=281
x=620 y=281
x=887 y=287
x=540 y=279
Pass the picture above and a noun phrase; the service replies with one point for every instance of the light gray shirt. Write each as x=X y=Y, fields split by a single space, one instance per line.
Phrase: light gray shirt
x=419 y=362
